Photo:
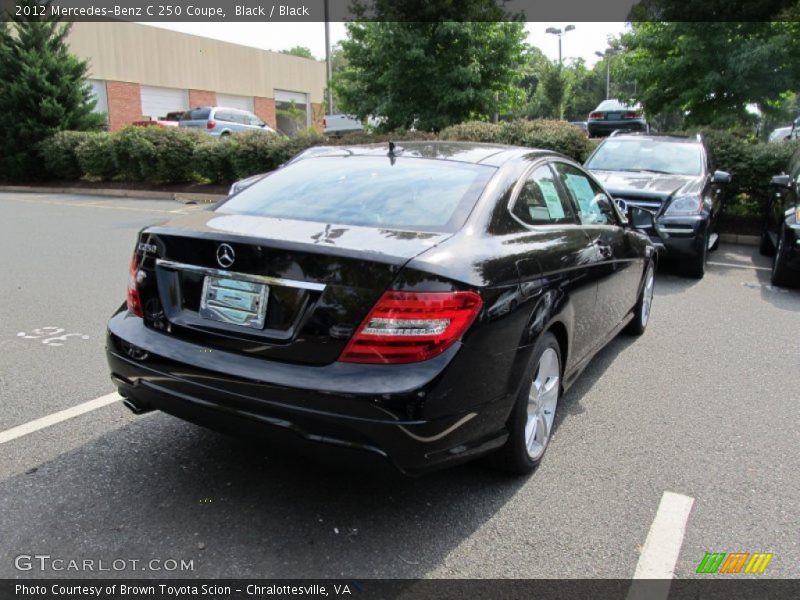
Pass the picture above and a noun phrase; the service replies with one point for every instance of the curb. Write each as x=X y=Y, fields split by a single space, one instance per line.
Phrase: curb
x=183 y=197
x=742 y=240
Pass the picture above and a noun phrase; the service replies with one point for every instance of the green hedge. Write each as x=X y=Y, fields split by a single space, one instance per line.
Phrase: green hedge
x=751 y=164
x=540 y=133
x=58 y=154
x=96 y=157
x=173 y=155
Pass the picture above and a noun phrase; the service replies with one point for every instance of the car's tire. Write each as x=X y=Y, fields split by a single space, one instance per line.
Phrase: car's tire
x=530 y=424
x=641 y=312
x=781 y=276
x=695 y=267
x=765 y=246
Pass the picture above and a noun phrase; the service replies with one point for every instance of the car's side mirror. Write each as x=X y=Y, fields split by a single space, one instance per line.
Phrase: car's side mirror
x=721 y=177
x=641 y=218
x=780 y=181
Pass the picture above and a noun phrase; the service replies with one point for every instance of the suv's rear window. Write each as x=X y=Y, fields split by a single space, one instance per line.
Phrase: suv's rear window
x=659 y=156
x=404 y=193
x=196 y=114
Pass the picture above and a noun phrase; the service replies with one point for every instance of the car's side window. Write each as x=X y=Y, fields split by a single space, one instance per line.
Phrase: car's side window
x=539 y=202
x=594 y=206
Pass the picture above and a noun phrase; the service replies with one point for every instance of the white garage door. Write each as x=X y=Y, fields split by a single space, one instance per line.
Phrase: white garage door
x=158 y=101
x=234 y=101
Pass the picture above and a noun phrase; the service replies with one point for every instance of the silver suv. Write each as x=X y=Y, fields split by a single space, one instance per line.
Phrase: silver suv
x=222 y=121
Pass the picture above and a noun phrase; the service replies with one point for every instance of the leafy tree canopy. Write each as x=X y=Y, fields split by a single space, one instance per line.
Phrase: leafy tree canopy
x=301 y=51
x=431 y=74
x=711 y=72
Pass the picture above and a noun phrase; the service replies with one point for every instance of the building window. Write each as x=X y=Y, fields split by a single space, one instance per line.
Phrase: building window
x=99 y=95
x=292 y=112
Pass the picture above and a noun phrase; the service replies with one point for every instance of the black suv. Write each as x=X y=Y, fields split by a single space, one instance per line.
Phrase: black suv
x=781 y=235
x=672 y=178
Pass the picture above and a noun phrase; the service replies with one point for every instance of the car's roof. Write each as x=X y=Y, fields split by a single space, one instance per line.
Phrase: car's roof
x=467 y=152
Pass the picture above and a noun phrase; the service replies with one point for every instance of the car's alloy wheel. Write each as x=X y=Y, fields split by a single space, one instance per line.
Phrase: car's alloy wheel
x=530 y=425
x=542 y=402
x=641 y=312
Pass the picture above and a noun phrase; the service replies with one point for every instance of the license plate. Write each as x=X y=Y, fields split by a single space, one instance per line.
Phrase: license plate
x=234 y=301
x=613 y=116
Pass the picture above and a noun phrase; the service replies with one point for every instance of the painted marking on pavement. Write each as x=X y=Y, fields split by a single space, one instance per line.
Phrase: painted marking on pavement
x=51 y=335
x=57 y=417
x=662 y=547
x=735 y=266
x=92 y=205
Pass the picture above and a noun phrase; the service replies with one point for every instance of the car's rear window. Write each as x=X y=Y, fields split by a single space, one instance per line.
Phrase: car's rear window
x=196 y=114
x=612 y=105
x=660 y=156
x=402 y=193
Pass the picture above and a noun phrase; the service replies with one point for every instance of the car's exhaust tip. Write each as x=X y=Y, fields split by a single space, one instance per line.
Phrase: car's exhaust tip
x=136 y=407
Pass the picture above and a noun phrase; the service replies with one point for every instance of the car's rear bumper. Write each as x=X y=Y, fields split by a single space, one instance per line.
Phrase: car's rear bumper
x=368 y=411
x=607 y=127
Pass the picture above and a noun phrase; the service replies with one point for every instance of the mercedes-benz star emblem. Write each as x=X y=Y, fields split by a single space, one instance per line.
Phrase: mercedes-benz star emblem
x=225 y=256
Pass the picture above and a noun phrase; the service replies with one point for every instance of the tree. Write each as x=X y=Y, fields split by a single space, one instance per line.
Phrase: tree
x=712 y=71
x=430 y=74
x=301 y=51
x=43 y=90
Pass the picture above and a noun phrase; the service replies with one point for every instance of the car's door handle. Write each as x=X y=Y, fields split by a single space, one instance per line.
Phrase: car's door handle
x=604 y=249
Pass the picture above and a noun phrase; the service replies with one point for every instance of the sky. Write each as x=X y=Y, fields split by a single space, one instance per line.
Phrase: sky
x=583 y=42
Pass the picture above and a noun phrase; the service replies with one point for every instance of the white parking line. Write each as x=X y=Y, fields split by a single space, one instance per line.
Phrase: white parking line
x=58 y=417
x=662 y=546
x=734 y=265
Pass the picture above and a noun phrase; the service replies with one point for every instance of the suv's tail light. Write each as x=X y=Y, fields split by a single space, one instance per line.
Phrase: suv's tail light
x=211 y=124
x=632 y=114
x=406 y=327
x=597 y=115
x=134 y=300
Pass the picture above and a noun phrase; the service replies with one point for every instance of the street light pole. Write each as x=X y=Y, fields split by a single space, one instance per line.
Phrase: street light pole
x=559 y=32
x=607 y=56
x=328 y=65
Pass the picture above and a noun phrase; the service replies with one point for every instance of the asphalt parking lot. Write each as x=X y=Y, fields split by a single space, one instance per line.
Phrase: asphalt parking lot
x=704 y=405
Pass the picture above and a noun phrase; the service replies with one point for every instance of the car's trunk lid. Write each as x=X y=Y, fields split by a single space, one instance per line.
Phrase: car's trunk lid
x=282 y=289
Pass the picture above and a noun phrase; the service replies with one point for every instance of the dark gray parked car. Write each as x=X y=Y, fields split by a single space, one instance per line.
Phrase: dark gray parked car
x=672 y=178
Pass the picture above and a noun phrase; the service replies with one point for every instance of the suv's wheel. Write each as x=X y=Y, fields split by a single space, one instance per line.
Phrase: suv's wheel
x=641 y=312
x=531 y=422
x=695 y=267
x=780 y=272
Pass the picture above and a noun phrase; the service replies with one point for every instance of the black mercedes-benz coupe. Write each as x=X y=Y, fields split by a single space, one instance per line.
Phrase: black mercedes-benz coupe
x=423 y=304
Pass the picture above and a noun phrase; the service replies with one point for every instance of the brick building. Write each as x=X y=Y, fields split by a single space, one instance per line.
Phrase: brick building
x=139 y=72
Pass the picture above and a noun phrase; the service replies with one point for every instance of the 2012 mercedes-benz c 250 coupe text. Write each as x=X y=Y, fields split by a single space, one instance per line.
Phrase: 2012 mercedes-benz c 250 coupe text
x=422 y=305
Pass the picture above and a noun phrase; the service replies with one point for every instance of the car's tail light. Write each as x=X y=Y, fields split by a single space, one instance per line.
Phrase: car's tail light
x=407 y=327
x=134 y=300
x=632 y=114
x=211 y=124
x=597 y=115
